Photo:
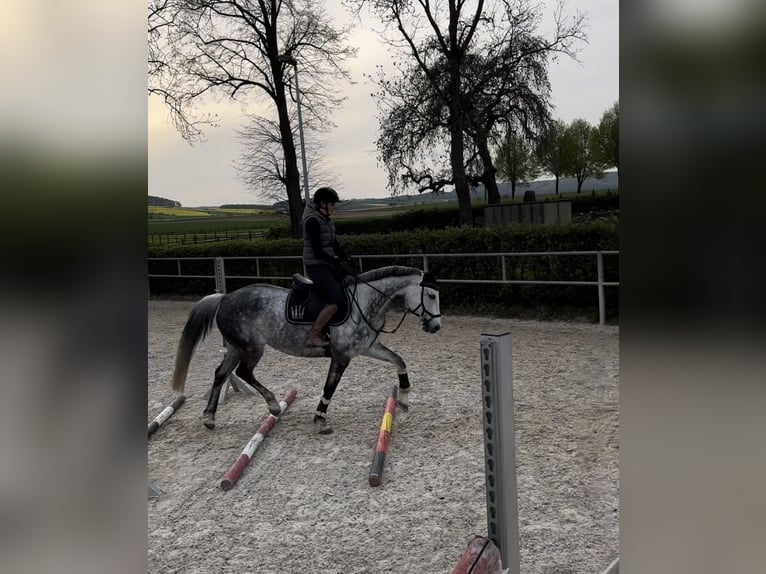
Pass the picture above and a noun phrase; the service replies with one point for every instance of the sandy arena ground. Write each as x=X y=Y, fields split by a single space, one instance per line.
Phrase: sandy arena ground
x=304 y=504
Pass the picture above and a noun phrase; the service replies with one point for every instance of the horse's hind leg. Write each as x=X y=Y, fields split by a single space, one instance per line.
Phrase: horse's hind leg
x=337 y=367
x=380 y=351
x=230 y=360
x=245 y=372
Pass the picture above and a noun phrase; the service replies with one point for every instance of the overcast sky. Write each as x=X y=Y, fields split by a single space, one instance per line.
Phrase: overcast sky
x=204 y=175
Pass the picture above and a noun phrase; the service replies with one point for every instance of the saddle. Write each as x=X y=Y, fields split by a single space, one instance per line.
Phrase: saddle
x=303 y=304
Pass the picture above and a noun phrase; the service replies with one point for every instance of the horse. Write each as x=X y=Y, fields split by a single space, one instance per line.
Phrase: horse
x=263 y=314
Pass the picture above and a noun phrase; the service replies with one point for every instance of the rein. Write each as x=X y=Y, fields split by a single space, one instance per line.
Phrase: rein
x=423 y=285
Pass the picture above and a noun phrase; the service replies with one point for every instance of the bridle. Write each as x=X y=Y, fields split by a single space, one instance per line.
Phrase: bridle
x=423 y=284
x=426 y=282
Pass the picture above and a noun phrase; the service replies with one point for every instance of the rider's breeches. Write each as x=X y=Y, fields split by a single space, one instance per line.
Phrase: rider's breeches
x=326 y=284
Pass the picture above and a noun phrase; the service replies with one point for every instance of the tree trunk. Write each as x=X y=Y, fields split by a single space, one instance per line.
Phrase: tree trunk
x=292 y=176
x=557 y=186
x=490 y=183
x=513 y=189
x=457 y=144
x=462 y=190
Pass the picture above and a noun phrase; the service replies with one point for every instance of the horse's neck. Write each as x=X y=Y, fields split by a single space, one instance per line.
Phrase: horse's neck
x=381 y=296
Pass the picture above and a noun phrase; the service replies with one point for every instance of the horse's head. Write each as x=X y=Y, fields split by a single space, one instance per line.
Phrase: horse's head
x=427 y=308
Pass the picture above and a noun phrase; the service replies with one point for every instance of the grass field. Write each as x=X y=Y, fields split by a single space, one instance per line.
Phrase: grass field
x=177 y=212
x=242 y=211
x=171 y=212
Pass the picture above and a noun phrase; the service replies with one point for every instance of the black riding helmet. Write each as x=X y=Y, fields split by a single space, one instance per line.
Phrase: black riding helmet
x=325 y=195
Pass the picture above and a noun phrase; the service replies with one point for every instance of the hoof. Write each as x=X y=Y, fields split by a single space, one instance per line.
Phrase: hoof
x=404 y=401
x=209 y=421
x=274 y=407
x=322 y=425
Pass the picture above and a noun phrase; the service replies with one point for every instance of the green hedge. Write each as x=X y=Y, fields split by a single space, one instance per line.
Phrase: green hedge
x=512 y=300
x=585 y=202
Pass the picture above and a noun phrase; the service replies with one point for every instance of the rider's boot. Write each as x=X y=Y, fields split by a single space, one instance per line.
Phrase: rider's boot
x=314 y=338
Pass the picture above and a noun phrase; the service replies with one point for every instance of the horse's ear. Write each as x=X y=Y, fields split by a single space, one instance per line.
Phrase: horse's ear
x=429 y=280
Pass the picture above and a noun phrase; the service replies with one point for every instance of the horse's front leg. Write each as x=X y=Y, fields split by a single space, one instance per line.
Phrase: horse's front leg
x=379 y=351
x=337 y=367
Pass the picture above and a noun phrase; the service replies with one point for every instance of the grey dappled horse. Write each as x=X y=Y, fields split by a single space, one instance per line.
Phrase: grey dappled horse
x=255 y=316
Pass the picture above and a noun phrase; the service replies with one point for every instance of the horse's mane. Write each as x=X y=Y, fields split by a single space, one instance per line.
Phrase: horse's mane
x=390 y=271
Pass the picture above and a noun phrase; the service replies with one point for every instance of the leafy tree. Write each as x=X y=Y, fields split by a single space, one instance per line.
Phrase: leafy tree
x=605 y=145
x=581 y=163
x=554 y=152
x=440 y=110
x=516 y=160
x=247 y=51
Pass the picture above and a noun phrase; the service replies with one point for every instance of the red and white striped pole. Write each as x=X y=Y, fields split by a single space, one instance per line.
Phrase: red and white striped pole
x=480 y=557
x=379 y=459
x=232 y=476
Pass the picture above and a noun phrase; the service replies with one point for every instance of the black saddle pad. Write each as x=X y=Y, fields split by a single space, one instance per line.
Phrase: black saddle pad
x=303 y=306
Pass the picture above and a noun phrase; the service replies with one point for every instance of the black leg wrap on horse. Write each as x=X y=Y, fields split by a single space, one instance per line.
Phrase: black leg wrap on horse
x=404 y=381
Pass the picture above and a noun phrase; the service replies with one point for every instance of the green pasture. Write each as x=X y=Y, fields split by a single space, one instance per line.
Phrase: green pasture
x=242 y=211
x=177 y=212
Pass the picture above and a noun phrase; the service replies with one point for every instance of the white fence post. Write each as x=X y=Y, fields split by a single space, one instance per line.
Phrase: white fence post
x=601 y=303
x=220 y=275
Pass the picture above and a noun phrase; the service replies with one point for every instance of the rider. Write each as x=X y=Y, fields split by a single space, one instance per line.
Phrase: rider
x=326 y=263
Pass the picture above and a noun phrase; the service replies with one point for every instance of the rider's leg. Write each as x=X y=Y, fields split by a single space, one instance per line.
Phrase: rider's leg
x=330 y=294
x=314 y=338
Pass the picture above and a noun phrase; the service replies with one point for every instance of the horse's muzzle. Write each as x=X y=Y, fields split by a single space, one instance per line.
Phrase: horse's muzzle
x=432 y=325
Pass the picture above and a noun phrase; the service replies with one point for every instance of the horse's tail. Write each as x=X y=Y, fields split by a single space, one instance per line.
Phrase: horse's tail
x=196 y=329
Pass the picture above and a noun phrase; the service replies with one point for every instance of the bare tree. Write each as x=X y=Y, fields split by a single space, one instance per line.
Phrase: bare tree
x=508 y=86
x=443 y=39
x=261 y=164
x=163 y=77
x=411 y=141
x=247 y=50
x=509 y=91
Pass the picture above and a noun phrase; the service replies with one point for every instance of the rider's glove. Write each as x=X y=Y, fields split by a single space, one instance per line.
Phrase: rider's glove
x=348 y=268
x=345 y=266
